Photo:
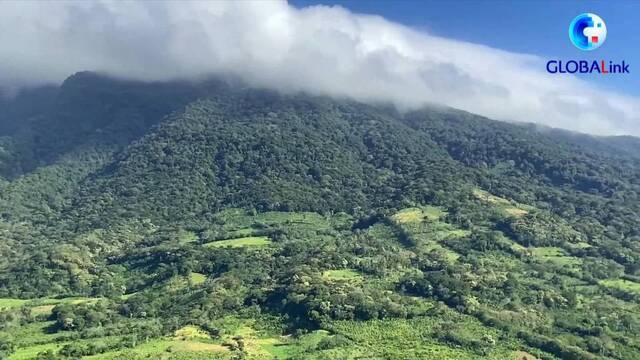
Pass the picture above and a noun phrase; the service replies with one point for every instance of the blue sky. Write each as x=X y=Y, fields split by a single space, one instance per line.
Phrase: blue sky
x=533 y=27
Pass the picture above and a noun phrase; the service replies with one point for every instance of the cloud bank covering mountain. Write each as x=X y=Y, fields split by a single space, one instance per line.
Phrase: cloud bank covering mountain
x=320 y=50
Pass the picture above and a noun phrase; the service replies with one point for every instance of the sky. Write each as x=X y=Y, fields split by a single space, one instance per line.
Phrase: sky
x=483 y=57
x=531 y=27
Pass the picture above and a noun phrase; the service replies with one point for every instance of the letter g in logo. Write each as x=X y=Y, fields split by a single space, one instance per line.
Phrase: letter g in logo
x=587 y=31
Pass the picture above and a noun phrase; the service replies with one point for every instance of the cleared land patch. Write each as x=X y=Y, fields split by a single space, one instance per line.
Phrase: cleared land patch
x=241 y=242
x=488 y=197
x=198 y=346
x=622 y=284
x=190 y=332
x=418 y=214
x=42 y=310
x=509 y=207
x=555 y=255
x=342 y=274
x=427 y=229
x=9 y=303
x=197 y=278
x=187 y=237
x=523 y=355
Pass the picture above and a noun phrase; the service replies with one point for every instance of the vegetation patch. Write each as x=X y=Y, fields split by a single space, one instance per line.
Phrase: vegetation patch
x=514 y=211
x=31 y=352
x=418 y=214
x=453 y=233
x=42 y=310
x=523 y=355
x=421 y=338
x=198 y=346
x=185 y=237
x=241 y=242
x=580 y=245
x=197 y=278
x=342 y=274
x=12 y=303
x=622 y=284
x=510 y=208
x=553 y=254
x=408 y=216
x=91 y=213
x=450 y=255
x=490 y=198
x=190 y=332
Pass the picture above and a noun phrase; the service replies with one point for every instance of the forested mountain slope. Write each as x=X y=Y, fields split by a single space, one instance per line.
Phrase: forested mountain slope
x=198 y=220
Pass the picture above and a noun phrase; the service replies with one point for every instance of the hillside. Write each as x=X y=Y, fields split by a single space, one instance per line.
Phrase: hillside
x=210 y=220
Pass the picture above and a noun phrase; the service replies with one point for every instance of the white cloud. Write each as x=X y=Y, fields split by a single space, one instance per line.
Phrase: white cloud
x=320 y=50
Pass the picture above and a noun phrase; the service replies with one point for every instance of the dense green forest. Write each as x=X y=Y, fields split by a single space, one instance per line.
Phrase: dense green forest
x=206 y=220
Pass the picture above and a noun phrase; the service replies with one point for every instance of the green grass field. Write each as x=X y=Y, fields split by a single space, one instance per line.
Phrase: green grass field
x=555 y=255
x=12 y=303
x=167 y=349
x=30 y=352
x=509 y=207
x=622 y=284
x=241 y=242
x=197 y=278
x=343 y=274
x=418 y=214
x=9 y=303
x=185 y=237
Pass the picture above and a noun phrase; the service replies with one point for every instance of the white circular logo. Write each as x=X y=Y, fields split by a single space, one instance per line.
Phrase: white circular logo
x=587 y=31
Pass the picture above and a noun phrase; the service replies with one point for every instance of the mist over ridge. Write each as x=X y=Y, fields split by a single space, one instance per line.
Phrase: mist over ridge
x=320 y=50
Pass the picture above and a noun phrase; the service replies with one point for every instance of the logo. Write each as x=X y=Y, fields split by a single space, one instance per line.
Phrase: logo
x=587 y=31
x=587 y=67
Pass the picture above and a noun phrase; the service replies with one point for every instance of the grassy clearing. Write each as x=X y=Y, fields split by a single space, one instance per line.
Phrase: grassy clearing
x=448 y=254
x=166 y=349
x=622 y=284
x=34 y=333
x=185 y=237
x=545 y=252
x=126 y=296
x=30 y=352
x=408 y=216
x=427 y=229
x=490 y=198
x=418 y=215
x=42 y=310
x=241 y=242
x=246 y=232
x=8 y=303
x=517 y=247
x=433 y=212
x=197 y=278
x=580 y=245
x=342 y=274
x=198 y=346
x=514 y=211
x=190 y=332
x=42 y=305
x=453 y=233
x=287 y=348
x=509 y=207
x=553 y=254
x=523 y=355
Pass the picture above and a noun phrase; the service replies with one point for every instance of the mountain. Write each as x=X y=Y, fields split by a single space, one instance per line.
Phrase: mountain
x=209 y=219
